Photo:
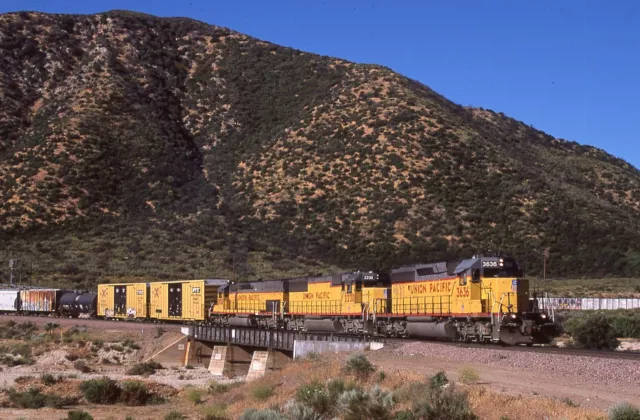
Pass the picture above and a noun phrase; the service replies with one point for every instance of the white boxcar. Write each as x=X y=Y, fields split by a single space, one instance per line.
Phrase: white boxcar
x=9 y=300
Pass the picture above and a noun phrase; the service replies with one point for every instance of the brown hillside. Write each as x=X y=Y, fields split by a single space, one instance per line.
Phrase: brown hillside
x=132 y=145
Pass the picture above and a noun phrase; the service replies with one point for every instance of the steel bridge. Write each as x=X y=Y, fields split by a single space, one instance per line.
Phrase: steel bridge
x=269 y=339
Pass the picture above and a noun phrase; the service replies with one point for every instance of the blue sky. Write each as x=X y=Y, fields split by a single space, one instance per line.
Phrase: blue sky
x=570 y=68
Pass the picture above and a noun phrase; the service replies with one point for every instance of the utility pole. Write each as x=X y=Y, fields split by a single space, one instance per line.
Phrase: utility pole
x=544 y=269
x=11 y=273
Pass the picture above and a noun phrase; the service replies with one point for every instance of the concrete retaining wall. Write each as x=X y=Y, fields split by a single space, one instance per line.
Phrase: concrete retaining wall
x=302 y=348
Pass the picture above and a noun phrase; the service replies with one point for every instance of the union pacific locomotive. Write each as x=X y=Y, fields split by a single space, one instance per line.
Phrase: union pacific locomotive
x=481 y=299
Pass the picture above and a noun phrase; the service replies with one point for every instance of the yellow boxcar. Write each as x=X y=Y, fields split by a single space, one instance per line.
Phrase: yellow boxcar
x=124 y=300
x=185 y=300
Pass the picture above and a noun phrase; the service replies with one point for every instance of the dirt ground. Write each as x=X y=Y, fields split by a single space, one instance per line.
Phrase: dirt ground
x=517 y=382
x=515 y=390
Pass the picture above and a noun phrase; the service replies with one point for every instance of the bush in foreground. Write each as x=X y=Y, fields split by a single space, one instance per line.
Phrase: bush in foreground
x=34 y=399
x=254 y=414
x=262 y=391
x=135 y=393
x=101 y=391
x=593 y=331
x=359 y=404
x=144 y=369
x=358 y=365
x=79 y=415
x=624 y=411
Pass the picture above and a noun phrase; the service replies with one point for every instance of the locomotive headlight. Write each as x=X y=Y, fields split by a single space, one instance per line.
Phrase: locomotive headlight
x=501 y=260
x=513 y=316
x=543 y=316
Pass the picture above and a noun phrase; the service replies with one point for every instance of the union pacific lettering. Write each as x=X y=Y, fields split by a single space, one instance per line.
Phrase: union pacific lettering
x=316 y=296
x=433 y=287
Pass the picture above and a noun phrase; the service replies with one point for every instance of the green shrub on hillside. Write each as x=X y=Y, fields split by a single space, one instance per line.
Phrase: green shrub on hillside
x=592 y=331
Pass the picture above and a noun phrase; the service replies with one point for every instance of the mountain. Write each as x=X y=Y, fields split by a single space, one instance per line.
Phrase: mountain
x=136 y=146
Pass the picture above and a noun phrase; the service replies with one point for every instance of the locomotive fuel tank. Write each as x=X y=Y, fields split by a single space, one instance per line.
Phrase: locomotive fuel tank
x=242 y=320
x=322 y=324
x=423 y=328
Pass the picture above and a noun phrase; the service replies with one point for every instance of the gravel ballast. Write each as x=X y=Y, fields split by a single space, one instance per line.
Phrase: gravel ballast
x=593 y=369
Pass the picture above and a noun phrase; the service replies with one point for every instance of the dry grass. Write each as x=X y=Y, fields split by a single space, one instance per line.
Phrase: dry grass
x=492 y=406
x=487 y=404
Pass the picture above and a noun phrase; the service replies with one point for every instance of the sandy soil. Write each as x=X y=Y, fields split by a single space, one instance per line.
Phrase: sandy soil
x=516 y=381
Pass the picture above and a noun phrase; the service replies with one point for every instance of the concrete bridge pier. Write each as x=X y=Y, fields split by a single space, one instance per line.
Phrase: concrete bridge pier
x=266 y=361
x=229 y=361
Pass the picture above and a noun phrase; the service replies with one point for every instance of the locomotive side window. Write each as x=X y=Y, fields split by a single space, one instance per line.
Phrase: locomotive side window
x=349 y=288
x=463 y=279
x=358 y=286
x=476 y=276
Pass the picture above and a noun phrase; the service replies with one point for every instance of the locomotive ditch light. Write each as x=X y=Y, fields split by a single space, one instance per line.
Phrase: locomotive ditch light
x=543 y=316
x=513 y=316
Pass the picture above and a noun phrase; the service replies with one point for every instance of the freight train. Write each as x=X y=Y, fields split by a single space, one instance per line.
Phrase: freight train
x=50 y=302
x=480 y=299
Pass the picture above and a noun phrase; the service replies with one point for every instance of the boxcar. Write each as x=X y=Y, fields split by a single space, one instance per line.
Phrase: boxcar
x=40 y=300
x=183 y=300
x=124 y=300
x=9 y=300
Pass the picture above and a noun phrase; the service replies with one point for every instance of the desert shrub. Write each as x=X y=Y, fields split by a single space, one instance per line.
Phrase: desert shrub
x=411 y=391
x=116 y=347
x=79 y=415
x=358 y=365
x=262 y=391
x=195 y=396
x=215 y=412
x=135 y=393
x=468 y=375
x=359 y=404
x=58 y=402
x=382 y=376
x=98 y=343
x=624 y=411
x=130 y=344
x=569 y=402
x=216 y=387
x=101 y=391
x=145 y=369
x=254 y=414
x=299 y=411
x=314 y=395
x=81 y=366
x=174 y=415
x=49 y=327
x=189 y=367
x=336 y=386
x=32 y=398
x=48 y=379
x=439 y=380
x=443 y=403
x=592 y=331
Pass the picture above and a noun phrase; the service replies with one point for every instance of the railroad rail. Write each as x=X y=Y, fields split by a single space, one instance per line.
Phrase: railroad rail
x=566 y=351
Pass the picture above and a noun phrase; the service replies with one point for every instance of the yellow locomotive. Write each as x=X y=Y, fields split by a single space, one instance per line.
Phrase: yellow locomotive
x=481 y=299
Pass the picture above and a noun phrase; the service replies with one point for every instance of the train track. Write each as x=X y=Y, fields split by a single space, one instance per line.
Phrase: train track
x=608 y=354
